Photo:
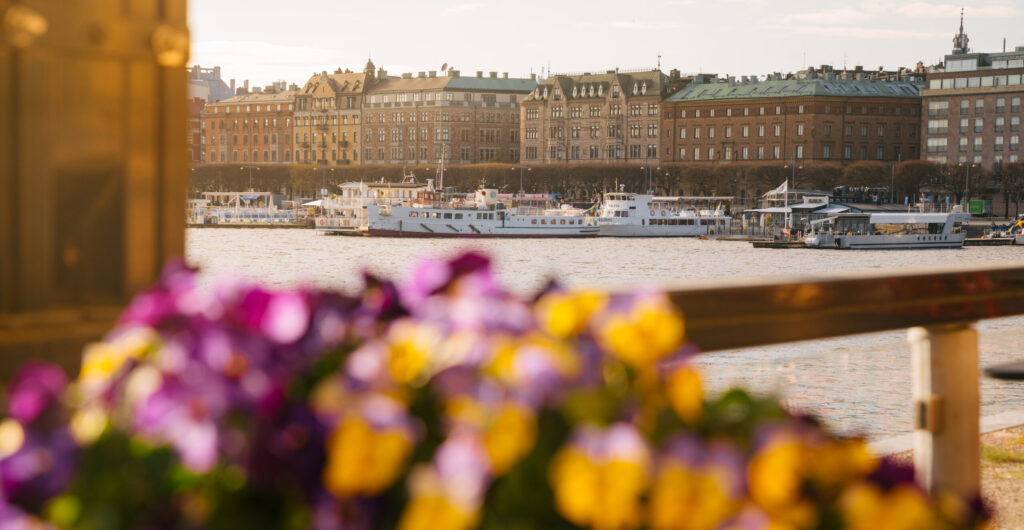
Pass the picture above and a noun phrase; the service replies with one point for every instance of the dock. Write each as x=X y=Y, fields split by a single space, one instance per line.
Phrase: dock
x=779 y=244
x=987 y=242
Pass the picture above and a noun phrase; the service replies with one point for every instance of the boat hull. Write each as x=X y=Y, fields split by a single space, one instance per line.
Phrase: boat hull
x=632 y=230
x=377 y=232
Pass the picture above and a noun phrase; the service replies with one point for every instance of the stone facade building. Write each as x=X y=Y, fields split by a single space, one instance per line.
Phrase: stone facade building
x=818 y=117
x=423 y=118
x=972 y=107
x=253 y=128
x=609 y=117
x=327 y=117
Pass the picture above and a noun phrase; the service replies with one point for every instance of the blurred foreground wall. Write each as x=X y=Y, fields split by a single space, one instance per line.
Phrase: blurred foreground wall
x=92 y=165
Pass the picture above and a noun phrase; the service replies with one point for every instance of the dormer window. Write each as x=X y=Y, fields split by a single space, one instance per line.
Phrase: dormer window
x=636 y=88
x=558 y=93
x=643 y=89
x=573 y=91
x=545 y=92
x=600 y=89
x=591 y=90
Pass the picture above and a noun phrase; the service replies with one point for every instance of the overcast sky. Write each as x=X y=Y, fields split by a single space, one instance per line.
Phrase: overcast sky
x=265 y=41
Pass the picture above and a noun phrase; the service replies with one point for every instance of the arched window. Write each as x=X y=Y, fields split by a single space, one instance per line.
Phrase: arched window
x=636 y=88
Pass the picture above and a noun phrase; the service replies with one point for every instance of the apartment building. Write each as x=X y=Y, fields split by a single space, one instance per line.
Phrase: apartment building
x=328 y=112
x=424 y=118
x=596 y=117
x=817 y=116
x=972 y=107
x=253 y=127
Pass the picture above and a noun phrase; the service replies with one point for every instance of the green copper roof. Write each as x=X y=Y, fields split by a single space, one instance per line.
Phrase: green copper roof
x=797 y=88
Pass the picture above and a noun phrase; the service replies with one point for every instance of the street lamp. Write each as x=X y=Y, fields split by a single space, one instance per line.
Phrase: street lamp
x=967 y=185
x=520 y=168
x=647 y=177
x=250 y=168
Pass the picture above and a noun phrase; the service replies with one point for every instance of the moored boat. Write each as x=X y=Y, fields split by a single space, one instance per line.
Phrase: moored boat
x=890 y=231
x=434 y=214
x=633 y=215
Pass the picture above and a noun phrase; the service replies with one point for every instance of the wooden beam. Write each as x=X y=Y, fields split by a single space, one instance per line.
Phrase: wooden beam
x=738 y=314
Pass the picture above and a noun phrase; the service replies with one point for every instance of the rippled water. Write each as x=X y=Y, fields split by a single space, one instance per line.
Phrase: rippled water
x=861 y=384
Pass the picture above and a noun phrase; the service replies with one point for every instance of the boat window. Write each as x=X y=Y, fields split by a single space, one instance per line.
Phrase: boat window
x=447 y=216
x=414 y=214
x=543 y=221
x=533 y=221
x=458 y=216
x=958 y=227
x=563 y=221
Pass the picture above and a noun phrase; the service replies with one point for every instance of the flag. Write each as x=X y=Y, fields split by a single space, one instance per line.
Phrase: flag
x=592 y=210
x=781 y=190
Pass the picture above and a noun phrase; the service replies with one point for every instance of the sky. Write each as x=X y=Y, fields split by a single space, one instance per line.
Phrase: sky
x=271 y=40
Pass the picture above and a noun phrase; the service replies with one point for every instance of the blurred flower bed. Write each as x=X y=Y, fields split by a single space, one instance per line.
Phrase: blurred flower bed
x=442 y=402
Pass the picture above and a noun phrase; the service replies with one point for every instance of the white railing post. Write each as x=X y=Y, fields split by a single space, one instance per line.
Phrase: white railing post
x=945 y=386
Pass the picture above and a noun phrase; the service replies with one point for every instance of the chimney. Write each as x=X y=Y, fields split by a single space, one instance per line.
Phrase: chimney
x=453 y=73
x=673 y=74
x=609 y=71
x=407 y=76
x=246 y=85
x=494 y=75
x=432 y=73
x=479 y=74
x=232 y=84
x=421 y=74
x=293 y=87
x=216 y=72
x=504 y=75
x=533 y=77
x=257 y=90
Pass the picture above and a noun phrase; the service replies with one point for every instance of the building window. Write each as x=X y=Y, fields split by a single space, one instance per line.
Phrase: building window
x=776 y=152
x=746 y=131
x=799 y=129
x=881 y=131
x=1000 y=105
x=939 y=126
x=979 y=106
x=1000 y=124
x=880 y=153
x=938 y=108
x=799 y=151
x=965 y=106
x=847 y=151
x=760 y=131
x=828 y=130
x=826 y=152
x=800 y=109
x=682 y=133
x=744 y=153
x=998 y=145
x=979 y=125
x=962 y=147
x=978 y=143
x=778 y=130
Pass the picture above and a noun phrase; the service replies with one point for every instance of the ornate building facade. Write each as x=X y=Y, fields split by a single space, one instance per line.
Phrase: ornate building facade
x=609 y=117
x=328 y=117
x=428 y=117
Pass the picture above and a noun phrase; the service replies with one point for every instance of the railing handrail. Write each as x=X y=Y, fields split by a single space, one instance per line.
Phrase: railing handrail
x=727 y=314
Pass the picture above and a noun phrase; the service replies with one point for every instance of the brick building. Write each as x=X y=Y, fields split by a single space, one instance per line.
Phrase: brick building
x=609 y=117
x=972 y=107
x=250 y=128
x=327 y=117
x=418 y=119
x=820 y=116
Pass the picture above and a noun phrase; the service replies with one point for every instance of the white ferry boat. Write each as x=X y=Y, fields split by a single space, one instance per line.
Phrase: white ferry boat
x=632 y=215
x=889 y=231
x=345 y=213
x=435 y=215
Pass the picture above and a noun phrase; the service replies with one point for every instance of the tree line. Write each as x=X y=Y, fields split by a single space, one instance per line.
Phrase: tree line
x=745 y=182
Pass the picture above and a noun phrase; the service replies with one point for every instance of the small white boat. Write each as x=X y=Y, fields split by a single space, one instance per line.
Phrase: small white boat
x=345 y=213
x=434 y=214
x=868 y=231
x=633 y=215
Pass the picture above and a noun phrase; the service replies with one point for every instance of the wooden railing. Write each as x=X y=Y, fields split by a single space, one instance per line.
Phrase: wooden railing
x=938 y=307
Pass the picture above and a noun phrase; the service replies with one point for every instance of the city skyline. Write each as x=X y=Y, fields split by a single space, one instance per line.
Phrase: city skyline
x=264 y=44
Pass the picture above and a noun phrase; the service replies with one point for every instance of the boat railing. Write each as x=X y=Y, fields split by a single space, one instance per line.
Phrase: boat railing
x=938 y=307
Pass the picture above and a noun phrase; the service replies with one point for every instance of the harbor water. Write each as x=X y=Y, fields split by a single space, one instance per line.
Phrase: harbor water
x=859 y=384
